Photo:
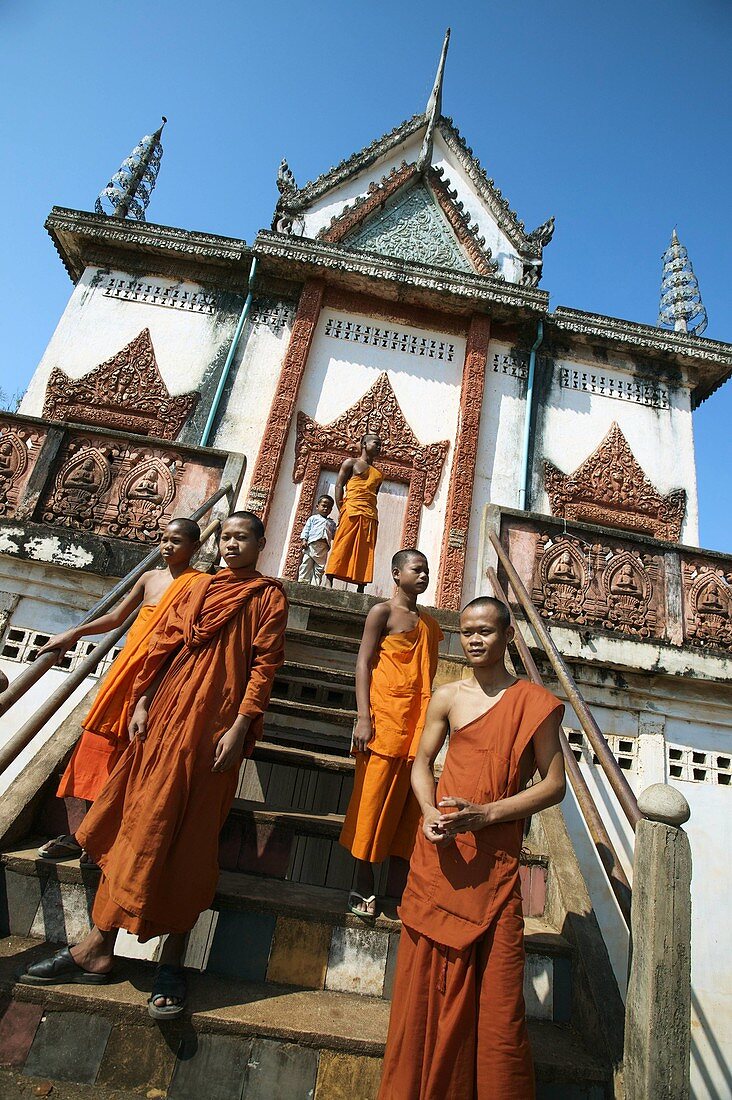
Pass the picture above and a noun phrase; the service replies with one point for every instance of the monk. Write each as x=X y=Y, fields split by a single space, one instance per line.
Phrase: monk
x=396 y=664
x=458 y=1028
x=199 y=698
x=105 y=729
x=351 y=558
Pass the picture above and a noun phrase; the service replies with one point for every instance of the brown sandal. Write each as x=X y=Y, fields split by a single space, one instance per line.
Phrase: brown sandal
x=63 y=847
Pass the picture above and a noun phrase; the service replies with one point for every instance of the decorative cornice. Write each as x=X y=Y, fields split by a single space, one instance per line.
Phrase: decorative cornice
x=355 y=163
x=695 y=350
x=76 y=232
x=477 y=289
x=506 y=218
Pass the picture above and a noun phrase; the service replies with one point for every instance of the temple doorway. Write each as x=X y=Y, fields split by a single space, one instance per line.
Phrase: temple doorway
x=392 y=512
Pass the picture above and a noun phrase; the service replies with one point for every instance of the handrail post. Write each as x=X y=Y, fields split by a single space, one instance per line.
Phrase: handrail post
x=658 y=1006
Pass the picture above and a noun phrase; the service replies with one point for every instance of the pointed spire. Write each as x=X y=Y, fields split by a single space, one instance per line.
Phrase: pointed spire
x=433 y=111
x=128 y=192
x=681 y=307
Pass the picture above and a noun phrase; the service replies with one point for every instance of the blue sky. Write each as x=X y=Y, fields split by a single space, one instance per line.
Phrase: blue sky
x=615 y=118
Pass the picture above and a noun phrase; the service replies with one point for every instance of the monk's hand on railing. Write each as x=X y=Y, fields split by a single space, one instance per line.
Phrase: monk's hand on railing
x=227 y=753
x=138 y=723
x=431 y=827
x=58 y=644
x=363 y=733
x=468 y=817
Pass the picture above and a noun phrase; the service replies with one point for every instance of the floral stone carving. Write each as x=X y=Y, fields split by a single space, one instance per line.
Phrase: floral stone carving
x=403 y=458
x=610 y=488
x=14 y=461
x=126 y=393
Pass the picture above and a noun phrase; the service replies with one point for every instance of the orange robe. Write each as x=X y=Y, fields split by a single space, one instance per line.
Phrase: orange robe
x=351 y=556
x=457 y=1029
x=155 y=827
x=104 y=730
x=383 y=813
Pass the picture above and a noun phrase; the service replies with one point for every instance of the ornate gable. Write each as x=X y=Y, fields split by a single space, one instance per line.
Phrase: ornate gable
x=409 y=219
x=127 y=393
x=611 y=489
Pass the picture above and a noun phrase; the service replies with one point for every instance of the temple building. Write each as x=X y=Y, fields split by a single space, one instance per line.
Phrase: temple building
x=397 y=293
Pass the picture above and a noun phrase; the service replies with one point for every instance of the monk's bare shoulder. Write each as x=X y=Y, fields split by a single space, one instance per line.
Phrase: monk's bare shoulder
x=379 y=614
x=443 y=698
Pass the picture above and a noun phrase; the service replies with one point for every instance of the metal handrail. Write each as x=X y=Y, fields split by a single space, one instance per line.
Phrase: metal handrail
x=32 y=674
x=616 y=876
x=22 y=737
x=619 y=784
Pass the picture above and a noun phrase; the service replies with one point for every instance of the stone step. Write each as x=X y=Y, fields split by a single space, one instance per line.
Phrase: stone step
x=251 y=1040
x=311 y=718
x=315 y=684
x=292 y=757
x=300 y=645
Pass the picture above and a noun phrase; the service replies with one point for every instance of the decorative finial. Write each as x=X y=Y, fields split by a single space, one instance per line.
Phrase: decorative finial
x=681 y=306
x=285 y=179
x=433 y=111
x=127 y=194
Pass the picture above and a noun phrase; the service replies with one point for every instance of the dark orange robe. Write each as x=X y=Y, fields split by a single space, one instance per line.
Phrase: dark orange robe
x=457 y=1029
x=383 y=813
x=104 y=734
x=351 y=556
x=154 y=828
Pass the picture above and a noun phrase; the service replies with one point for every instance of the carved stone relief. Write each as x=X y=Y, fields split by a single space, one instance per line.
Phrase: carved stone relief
x=599 y=585
x=144 y=498
x=610 y=488
x=127 y=393
x=18 y=448
x=707 y=605
x=82 y=486
x=403 y=458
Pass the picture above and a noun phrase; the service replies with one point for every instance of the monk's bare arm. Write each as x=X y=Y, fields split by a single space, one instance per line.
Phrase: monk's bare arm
x=436 y=728
x=340 y=486
x=268 y=653
x=547 y=792
x=60 y=643
x=373 y=630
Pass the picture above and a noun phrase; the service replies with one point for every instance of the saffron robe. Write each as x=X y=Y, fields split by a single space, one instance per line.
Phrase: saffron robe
x=457 y=1029
x=104 y=734
x=352 y=555
x=383 y=813
x=154 y=828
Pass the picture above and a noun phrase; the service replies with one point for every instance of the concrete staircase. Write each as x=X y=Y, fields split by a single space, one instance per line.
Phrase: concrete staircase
x=293 y=996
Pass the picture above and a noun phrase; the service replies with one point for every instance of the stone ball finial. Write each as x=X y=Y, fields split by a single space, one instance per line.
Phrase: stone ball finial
x=660 y=802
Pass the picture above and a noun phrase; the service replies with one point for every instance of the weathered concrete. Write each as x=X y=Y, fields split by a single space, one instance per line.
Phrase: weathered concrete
x=658 y=1005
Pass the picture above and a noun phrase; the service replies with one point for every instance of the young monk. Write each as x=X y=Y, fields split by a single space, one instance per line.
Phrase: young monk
x=351 y=557
x=154 y=829
x=457 y=1025
x=105 y=729
x=396 y=665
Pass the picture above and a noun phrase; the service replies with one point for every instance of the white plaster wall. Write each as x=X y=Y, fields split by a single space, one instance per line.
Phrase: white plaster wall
x=94 y=327
x=338 y=373
x=319 y=216
x=575 y=423
x=255 y=372
x=497 y=473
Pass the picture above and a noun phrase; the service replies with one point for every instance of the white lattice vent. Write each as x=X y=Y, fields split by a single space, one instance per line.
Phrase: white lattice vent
x=358 y=333
x=22 y=646
x=699 y=765
x=624 y=749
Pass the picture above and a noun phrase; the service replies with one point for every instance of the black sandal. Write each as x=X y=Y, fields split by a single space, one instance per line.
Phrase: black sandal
x=169 y=981
x=60 y=969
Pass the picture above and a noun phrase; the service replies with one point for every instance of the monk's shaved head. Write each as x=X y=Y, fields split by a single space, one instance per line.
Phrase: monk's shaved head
x=187 y=527
x=401 y=557
x=252 y=518
x=483 y=603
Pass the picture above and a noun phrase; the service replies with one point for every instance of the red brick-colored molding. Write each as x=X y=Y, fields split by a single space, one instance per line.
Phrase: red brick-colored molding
x=462 y=476
x=274 y=440
x=399 y=313
x=378 y=193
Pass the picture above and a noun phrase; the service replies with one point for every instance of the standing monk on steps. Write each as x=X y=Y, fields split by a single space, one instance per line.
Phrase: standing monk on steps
x=396 y=665
x=457 y=1029
x=104 y=731
x=154 y=829
x=351 y=557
